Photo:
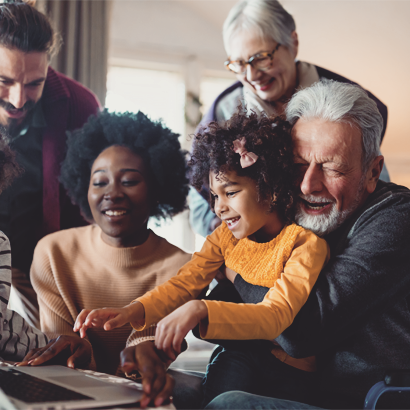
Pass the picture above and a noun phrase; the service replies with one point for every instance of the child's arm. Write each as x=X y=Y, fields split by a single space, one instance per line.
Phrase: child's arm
x=187 y=285
x=191 y=279
x=268 y=319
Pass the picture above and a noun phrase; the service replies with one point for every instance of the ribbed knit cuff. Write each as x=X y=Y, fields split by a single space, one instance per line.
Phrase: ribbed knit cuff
x=142 y=339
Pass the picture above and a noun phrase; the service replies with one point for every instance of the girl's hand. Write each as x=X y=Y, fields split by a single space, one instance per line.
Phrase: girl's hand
x=108 y=318
x=171 y=330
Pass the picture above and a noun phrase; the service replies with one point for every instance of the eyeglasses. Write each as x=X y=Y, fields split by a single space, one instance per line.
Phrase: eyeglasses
x=260 y=61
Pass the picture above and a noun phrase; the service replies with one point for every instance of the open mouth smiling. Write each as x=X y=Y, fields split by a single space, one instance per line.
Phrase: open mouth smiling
x=316 y=206
x=264 y=86
x=231 y=222
x=115 y=212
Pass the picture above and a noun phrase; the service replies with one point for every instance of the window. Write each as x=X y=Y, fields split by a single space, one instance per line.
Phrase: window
x=160 y=95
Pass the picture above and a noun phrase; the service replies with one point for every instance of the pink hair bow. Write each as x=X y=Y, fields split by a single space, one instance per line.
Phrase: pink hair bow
x=247 y=158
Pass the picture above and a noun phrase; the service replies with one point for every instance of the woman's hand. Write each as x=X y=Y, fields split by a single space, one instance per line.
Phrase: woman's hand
x=171 y=330
x=108 y=318
x=79 y=350
x=157 y=385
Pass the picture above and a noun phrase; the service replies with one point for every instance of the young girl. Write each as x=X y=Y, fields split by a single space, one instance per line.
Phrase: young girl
x=249 y=165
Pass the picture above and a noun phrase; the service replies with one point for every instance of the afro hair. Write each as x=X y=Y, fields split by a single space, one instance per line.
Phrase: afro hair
x=156 y=144
x=269 y=138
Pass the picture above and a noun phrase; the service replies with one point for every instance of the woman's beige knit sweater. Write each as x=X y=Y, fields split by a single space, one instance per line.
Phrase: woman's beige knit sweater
x=74 y=270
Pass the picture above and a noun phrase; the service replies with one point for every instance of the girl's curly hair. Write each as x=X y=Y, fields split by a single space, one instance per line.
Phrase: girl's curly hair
x=156 y=144
x=269 y=138
x=9 y=167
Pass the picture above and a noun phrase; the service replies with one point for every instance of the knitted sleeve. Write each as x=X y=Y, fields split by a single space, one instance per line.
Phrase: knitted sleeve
x=55 y=318
x=191 y=279
x=137 y=337
x=267 y=319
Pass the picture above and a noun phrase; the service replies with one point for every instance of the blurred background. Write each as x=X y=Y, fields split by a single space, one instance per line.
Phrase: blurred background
x=165 y=58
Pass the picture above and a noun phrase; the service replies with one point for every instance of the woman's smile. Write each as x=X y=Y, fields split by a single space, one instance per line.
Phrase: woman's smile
x=119 y=196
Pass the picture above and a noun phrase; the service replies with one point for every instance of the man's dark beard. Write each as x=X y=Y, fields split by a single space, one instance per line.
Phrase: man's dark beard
x=13 y=126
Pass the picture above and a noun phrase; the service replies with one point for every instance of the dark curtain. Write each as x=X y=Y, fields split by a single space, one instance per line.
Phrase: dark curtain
x=83 y=26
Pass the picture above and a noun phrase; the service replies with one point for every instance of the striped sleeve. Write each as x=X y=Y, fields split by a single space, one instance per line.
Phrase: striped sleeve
x=136 y=337
x=17 y=337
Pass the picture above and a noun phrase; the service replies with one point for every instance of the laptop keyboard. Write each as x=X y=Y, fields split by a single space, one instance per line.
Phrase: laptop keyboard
x=31 y=389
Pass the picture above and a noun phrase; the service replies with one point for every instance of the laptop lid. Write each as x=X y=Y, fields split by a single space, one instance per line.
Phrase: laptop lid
x=59 y=387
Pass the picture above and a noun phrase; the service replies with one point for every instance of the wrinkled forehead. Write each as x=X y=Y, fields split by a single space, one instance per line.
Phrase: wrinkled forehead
x=324 y=140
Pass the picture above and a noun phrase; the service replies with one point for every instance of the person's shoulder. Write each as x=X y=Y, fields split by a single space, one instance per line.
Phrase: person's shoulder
x=387 y=196
x=60 y=87
x=226 y=104
x=330 y=75
x=77 y=88
x=303 y=235
x=385 y=212
x=169 y=251
x=65 y=239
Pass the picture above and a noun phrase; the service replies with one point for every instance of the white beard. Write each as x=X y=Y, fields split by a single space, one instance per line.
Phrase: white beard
x=323 y=224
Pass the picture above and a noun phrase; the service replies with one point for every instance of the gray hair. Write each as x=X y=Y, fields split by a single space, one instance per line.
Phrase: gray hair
x=341 y=102
x=266 y=17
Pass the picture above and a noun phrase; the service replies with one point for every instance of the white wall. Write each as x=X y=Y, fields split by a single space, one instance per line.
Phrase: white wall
x=366 y=41
x=164 y=31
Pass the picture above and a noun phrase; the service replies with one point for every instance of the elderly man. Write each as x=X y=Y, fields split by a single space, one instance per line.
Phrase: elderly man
x=357 y=320
x=37 y=107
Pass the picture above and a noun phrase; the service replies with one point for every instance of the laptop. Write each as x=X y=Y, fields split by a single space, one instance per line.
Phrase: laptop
x=60 y=388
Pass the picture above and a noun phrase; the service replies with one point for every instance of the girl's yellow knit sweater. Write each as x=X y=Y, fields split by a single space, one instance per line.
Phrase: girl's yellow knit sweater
x=289 y=265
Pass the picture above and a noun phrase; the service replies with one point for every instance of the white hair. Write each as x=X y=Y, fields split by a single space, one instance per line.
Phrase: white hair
x=341 y=102
x=266 y=17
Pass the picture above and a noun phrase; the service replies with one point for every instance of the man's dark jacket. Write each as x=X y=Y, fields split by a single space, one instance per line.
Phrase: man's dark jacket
x=357 y=318
x=66 y=105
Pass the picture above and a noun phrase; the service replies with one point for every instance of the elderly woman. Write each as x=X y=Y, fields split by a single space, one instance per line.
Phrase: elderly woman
x=121 y=169
x=262 y=44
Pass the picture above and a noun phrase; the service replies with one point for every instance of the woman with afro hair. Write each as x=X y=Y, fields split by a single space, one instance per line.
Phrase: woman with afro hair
x=249 y=165
x=121 y=169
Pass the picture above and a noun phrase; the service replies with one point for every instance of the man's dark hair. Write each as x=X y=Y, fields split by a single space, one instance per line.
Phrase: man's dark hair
x=156 y=144
x=267 y=137
x=24 y=28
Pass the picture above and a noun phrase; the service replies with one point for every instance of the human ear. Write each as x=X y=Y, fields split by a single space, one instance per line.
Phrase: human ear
x=373 y=173
x=295 y=43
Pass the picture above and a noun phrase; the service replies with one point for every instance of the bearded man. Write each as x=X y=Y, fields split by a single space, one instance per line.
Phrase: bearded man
x=37 y=107
x=357 y=319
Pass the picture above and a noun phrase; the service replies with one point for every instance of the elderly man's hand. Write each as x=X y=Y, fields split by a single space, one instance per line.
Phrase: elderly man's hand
x=151 y=364
x=79 y=352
